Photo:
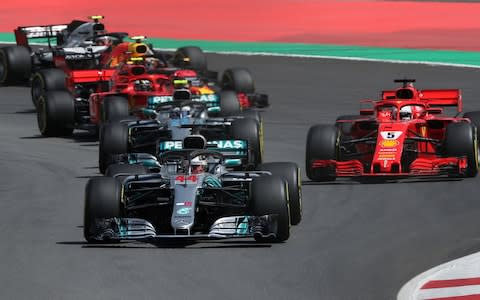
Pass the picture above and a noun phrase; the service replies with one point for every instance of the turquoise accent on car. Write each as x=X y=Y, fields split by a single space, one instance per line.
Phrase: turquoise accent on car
x=228 y=144
x=171 y=145
x=242 y=228
x=233 y=162
x=213 y=109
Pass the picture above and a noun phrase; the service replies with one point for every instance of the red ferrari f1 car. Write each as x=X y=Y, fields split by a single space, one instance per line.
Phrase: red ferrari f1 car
x=404 y=134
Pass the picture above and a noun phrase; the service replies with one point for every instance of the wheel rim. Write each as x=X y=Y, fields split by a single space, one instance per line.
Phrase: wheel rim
x=38 y=88
x=42 y=114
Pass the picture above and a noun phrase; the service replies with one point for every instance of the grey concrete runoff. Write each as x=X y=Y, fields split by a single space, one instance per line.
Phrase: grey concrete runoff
x=356 y=240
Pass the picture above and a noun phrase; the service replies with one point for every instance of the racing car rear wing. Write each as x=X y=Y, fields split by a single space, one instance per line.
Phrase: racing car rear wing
x=444 y=97
x=24 y=33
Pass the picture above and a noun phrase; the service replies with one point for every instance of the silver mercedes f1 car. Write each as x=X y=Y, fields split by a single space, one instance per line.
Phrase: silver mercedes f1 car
x=191 y=195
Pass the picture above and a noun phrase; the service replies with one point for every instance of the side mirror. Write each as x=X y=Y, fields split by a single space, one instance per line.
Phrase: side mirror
x=366 y=112
x=435 y=110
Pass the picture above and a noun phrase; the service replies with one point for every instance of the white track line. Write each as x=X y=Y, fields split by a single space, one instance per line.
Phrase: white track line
x=350 y=58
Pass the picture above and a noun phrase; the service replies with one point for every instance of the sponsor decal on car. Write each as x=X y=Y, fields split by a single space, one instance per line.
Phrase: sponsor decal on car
x=152 y=100
x=391 y=135
x=186 y=203
x=205 y=98
x=184 y=211
x=386 y=156
x=171 y=145
x=228 y=144
x=389 y=143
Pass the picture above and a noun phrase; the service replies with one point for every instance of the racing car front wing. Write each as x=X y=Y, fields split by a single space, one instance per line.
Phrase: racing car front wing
x=112 y=229
x=419 y=167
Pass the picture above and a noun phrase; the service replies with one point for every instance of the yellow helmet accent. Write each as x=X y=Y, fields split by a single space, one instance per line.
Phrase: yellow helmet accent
x=96 y=18
x=137 y=49
x=179 y=83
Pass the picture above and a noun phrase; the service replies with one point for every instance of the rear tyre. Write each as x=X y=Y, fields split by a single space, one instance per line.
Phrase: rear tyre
x=46 y=80
x=239 y=80
x=290 y=172
x=113 y=142
x=102 y=200
x=229 y=105
x=55 y=114
x=115 y=108
x=322 y=143
x=15 y=64
x=461 y=140
x=269 y=196
x=190 y=57
x=249 y=130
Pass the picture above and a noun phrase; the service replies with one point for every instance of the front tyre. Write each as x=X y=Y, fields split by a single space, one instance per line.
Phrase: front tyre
x=290 y=172
x=322 y=143
x=46 y=80
x=269 y=195
x=55 y=114
x=102 y=201
x=461 y=140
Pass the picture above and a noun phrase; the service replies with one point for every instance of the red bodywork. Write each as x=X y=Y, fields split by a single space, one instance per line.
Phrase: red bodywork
x=125 y=77
x=377 y=139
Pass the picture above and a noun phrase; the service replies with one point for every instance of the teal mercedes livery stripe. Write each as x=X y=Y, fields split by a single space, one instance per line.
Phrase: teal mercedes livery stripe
x=440 y=57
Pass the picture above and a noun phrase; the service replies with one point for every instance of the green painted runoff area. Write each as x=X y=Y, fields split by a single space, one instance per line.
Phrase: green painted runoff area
x=334 y=51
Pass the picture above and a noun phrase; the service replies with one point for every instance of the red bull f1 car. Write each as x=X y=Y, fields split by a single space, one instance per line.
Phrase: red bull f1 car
x=403 y=134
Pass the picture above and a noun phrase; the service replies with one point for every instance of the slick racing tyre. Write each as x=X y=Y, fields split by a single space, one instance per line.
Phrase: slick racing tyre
x=47 y=80
x=322 y=143
x=229 y=105
x=249 y=130
x=15 y=65
x=290 y=172
x=270 y=196
x=102 y=200
x=55 y=114
x=114 y=108
x=239 y=80
x=190 y=57
x=474 y=117
x=113 y=142
x=461 y=140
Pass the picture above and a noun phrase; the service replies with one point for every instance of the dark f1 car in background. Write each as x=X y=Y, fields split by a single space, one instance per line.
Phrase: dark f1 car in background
x=18 y=63
x=239 y=138
x=178 y=200
x=405 y=134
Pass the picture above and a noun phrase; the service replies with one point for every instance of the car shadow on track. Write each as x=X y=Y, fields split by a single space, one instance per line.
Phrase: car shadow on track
x=169 y=244
x=83 y=138
x=27 y=111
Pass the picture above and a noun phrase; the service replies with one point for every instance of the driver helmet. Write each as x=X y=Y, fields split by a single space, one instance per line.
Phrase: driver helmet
x=406 y=112
x=104 y=41
x=409 y=112
x=198 y=164
x=185 y=111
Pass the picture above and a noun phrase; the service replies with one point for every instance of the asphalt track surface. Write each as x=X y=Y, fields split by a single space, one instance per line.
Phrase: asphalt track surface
x=356 y=240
